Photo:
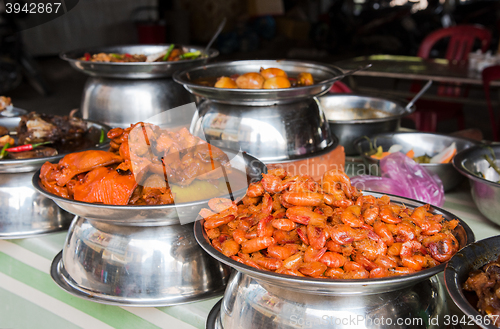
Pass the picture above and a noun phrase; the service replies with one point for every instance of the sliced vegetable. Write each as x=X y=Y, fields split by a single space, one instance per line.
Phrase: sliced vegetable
x=117 y=56
x=380 y=153
x=193 y=54
x=87 y=56
x=102 y=137
x=445 y=155
x=26 y=147
x=410 y=154
x=3 y=152
x=395 y=148
x=128 y=55
x=169 y=51
x=492 y=164
x=422 y=159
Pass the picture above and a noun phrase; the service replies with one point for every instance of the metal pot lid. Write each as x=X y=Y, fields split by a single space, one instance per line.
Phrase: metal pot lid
x=341 y=108
x=135 y=70
x=153 y=215
x=27 y=165
x=462 y=232
x=324 y=76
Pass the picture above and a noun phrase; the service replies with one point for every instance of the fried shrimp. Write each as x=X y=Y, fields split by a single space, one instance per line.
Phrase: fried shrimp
x=293 y=225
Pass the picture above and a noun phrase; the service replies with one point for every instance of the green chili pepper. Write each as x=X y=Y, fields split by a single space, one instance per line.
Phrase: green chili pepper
x=492 y=164
x=193 y=54
x=103 y=136
x=4 y=150
x=116 y=56
x=169 y=51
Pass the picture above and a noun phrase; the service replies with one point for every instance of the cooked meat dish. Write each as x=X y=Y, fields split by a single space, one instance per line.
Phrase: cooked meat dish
x=294 y=225
x=170 y=54
x=40 y=135
x=140 y=168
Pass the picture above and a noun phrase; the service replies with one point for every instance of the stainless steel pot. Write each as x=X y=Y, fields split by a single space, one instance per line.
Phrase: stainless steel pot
x=140 y=255
x=120 y=93
x=249 y=304
x=354 y=116
x=270 y=133
x=137 y=266
x=262 y=299
x=24 y=212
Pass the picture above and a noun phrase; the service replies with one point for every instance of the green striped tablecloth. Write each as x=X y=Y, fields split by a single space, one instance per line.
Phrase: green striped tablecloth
x=30 y=299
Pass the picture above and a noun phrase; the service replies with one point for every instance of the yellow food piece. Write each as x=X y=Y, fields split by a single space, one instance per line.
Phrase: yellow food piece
x=198 y=190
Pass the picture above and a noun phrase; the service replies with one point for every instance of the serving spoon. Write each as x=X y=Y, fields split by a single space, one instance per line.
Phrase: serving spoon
x=217 y=32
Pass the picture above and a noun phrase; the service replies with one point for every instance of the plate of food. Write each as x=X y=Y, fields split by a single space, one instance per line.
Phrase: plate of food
x=149 y=176
x=329 y=236
x=29 y=140
x=259 y=82
x=137 y=61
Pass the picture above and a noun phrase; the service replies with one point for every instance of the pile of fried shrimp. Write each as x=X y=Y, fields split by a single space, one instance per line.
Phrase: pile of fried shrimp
x=328 y=229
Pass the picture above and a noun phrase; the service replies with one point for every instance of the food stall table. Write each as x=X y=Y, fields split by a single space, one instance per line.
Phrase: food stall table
x=414 y=68
x=31 y=299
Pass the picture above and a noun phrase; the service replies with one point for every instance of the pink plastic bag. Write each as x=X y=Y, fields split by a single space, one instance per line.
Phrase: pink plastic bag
x=402 y=176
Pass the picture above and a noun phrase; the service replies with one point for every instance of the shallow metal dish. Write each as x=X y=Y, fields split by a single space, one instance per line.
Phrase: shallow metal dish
x=456 y=272
x=28 y=165
x=421 y=143
x=354 y=116
x=462 y=232
x=157 y=215
x=137 y=266
x=485 y=191
x=139 y=70
x=321 y=73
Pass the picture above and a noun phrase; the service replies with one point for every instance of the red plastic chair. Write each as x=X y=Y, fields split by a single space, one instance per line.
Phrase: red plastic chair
x=489 y=74
x=340 y=87
x=460 y=44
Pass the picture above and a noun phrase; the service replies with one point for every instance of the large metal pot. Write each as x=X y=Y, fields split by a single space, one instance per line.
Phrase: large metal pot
x=141 y=255
x=257 y=298
x=120 y=93
x=354 y=116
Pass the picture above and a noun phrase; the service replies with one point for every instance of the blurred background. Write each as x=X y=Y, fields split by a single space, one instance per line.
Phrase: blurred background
x=32 y=74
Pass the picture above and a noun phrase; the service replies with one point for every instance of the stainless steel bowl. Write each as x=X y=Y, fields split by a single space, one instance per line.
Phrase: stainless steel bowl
x=332 y=287
x=24 y=212
x=354 y=116
x=421 y=143
x=271 y=133
x=139 y=70
x=157 y=215
x=324 y=77
x=262 y=299
x=485 y=191
x=456 y=272
x=137 y=266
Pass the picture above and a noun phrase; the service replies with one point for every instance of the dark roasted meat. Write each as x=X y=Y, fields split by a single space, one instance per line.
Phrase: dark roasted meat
x=36 y=128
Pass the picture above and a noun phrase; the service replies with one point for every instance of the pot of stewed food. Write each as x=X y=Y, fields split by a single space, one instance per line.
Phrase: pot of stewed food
x=132 y=242
x=132 y=83
x=314 y=251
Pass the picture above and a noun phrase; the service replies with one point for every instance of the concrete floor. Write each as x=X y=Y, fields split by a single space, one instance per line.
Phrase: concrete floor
x=66 y=86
